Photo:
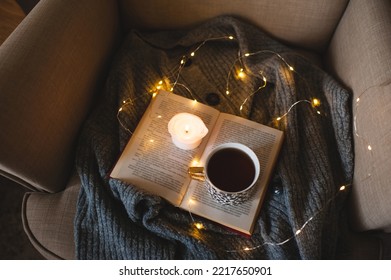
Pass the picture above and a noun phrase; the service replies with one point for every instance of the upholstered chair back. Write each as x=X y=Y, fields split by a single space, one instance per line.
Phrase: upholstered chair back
x=307 y=24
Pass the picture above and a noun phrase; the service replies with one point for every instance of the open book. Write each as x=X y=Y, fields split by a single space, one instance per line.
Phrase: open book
x=152 y=162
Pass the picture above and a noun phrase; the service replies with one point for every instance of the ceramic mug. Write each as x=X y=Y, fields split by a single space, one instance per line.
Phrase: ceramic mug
x=230 y=173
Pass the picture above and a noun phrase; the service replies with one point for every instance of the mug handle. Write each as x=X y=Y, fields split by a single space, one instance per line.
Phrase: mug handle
x=197 y=173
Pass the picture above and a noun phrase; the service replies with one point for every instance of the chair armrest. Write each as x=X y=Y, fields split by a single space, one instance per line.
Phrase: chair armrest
x=49 y=70
x=360 y=55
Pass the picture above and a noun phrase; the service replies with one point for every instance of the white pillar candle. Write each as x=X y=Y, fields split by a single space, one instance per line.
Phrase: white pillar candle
x=187 y=130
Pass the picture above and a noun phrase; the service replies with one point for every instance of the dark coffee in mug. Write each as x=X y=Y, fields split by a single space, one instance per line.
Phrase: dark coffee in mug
x=231 y=170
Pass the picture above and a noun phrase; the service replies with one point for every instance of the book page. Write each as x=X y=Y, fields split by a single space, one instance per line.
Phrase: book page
x=150 y=160
x=265 y=142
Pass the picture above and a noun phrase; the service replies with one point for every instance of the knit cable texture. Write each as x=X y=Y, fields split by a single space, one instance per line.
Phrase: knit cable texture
x=116 y=220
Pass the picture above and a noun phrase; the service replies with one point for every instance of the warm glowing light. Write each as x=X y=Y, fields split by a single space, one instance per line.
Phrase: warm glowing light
x=187 y=130
x=159 y=85
x=315 y=102
x=241 y=74
x=199 y=225
x=369 y=148
x=191 y=201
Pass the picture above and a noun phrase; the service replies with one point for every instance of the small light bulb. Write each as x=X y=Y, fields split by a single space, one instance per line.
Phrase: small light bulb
x=192 y=54
x=199 y=225
x=154 y=94
x=120 y=109
x=231 y=37
x=246 y=54
x=241 y=73
x=342 y=188
x=369 y=148
x=315 y=102
x=278 y=119
x=291 y=68
x=298 y=231
x=227 y=92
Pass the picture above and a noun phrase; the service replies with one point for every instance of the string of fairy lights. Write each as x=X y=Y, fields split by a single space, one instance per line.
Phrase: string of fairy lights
x=358 y=135
x=240 y=73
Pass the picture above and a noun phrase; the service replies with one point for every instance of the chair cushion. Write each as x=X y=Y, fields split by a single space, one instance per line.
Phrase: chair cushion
x=371 y=194
x=308 y=24
x=48 y=221
x=50 y=68
x=362 y=60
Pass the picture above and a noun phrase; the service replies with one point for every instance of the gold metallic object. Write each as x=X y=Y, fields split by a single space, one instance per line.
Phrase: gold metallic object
x=197 y=173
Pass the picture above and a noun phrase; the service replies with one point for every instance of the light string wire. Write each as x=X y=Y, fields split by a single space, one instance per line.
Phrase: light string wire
x=241 y=74
x=125 y=103
x=314 y=103
x=359 y=136
x=200 y=226
x=185 y=58
x=159 y=86
x=300 y=229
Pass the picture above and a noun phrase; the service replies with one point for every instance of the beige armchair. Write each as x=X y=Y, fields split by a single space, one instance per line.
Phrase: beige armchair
x=55 y=63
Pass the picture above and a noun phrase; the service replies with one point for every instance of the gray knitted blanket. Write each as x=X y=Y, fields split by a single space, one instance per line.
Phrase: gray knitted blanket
x=302 y=212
